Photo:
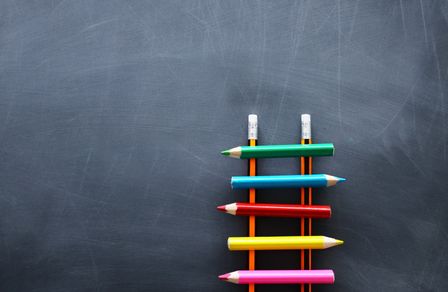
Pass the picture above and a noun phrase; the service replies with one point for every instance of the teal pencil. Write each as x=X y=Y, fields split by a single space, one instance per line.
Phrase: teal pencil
x=277 y=151
x=285 y=181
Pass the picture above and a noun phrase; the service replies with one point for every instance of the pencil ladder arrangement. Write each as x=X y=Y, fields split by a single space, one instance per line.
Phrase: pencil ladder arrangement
x=306 y=211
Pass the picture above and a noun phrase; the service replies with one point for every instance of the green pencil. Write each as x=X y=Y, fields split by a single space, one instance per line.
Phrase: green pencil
x=275 y=151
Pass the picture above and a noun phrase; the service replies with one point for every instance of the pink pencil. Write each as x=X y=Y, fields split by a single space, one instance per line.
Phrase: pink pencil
x=280 y=277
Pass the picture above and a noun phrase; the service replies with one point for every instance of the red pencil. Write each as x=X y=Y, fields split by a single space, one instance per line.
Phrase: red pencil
x=277 y=210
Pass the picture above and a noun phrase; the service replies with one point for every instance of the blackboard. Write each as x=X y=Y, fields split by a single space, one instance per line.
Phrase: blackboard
x=113 y=114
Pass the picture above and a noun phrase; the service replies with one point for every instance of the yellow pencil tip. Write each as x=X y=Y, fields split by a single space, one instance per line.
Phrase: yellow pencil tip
x=339 y=242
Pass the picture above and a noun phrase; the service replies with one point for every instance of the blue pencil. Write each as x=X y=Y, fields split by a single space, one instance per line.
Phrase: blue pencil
x=285 y=181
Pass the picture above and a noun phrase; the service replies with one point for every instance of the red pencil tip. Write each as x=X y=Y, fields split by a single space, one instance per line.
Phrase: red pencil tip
x=221 y=208
x=224 y=277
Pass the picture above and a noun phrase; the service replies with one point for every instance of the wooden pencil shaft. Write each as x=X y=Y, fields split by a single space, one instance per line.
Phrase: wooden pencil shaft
x=306 y=169
x=307 y=193
x=252 y=131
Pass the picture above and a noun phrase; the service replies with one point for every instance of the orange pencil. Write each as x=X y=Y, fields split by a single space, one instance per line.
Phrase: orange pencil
x=306 y=224
x=252 y=131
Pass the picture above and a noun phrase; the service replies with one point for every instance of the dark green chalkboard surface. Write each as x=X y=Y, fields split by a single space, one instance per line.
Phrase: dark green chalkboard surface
x=113 y=115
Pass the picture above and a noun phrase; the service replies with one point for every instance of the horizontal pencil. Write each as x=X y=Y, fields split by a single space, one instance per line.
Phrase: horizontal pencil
x=280 y=277
x=277 y=210
x=277 y=151
x=284 y=181
x=281 y=242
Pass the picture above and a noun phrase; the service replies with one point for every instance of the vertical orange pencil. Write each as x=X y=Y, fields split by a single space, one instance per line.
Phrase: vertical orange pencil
x=252 y=133
x=306 y=197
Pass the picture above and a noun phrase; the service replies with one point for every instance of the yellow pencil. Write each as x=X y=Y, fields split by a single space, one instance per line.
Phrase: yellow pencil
x=281 y=242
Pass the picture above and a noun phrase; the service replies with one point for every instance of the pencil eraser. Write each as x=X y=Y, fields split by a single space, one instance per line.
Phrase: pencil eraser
x=306 y=118
x=306 y=126
x=252 y=129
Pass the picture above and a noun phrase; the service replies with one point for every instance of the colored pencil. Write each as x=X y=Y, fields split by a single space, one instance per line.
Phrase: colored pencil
x=305 y=223
x=252 y=136
x=277 y=210
x=284 y=181
x=280 y=277
x=277 y=151
x=281 y=242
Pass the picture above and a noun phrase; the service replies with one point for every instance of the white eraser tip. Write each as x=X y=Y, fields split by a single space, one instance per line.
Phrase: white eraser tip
x=253 y=118
x=306 y=126
x=306 y=118
x=252 y=127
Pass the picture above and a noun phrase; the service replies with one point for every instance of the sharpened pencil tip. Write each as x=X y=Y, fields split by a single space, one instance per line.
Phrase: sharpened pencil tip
x=224 y=277
x=221 y=208
x=225 y=152
x=341 y=179
x=330 y=242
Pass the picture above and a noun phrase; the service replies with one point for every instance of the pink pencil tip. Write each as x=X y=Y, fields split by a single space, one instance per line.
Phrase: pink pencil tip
x=224 y=277
x=221 y=208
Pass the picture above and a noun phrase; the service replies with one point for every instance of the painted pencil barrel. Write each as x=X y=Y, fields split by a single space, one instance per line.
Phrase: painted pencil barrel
x=277 y=210
x=281 y=242
x=278 y=151
x=280 y=277
x=284 y=181
x=293 y=150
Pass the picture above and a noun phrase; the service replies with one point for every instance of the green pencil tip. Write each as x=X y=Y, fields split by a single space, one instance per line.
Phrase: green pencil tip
x=225 y=152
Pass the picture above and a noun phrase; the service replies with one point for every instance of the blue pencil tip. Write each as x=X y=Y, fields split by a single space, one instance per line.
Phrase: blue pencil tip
x=341 y=179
